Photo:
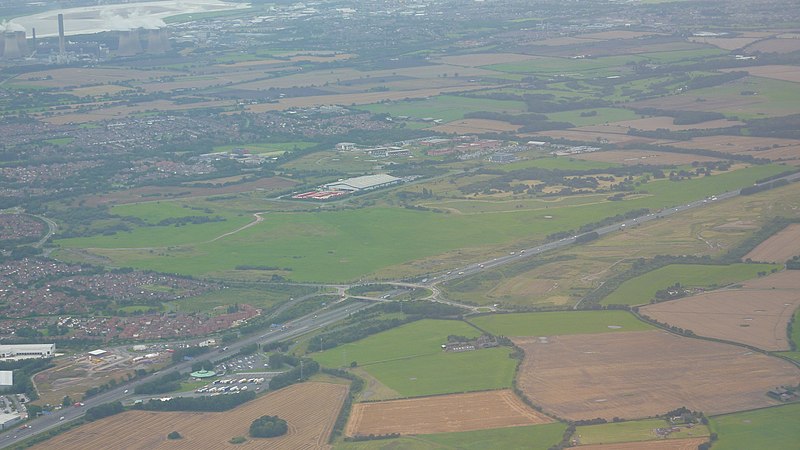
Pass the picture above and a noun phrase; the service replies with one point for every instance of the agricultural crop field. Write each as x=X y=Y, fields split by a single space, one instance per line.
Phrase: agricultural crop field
x=642 y=289
x=559 y=323
x=626 y=375
x=442 y=414
x=750 y=315
x=670 y=444
x=309 y=408
x=780 y=247
x=533 y=437
x=635 y=431
x=765 y=428
x=409 y=360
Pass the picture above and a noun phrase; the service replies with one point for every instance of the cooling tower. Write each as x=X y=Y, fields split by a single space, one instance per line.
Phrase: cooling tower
x=22 y=42
x=11 y=46
x=129 y=43
x=154 y=43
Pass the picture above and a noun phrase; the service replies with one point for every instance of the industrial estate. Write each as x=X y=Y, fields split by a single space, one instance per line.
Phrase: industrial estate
x=432 y=224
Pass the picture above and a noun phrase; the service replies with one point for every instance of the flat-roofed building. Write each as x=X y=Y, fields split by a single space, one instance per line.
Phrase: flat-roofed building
x=27 y=351
x=364 y=183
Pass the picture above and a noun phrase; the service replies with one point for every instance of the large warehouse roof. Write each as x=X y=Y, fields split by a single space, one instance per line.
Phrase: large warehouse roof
x=365 y=182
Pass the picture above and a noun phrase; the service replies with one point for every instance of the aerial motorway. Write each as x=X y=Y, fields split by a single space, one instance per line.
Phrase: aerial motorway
x=336 y=312
x=295 y=328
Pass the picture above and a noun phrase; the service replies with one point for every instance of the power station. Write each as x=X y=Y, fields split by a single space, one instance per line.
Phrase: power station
x=152 y=39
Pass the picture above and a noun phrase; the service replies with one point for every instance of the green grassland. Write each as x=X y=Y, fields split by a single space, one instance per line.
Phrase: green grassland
x=410 y=361
x=423 y=337
x=771 y=428
x=346 y=244
x=445 y=107
x=642 y=289
x=795 y=337
x=534 y=437
x=604 y=115
x=559 y=323
x=636 y=431
x=447 y=373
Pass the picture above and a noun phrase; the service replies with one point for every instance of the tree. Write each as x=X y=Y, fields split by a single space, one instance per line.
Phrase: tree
x=67 y=401
x=268 y=426
x=174 y=435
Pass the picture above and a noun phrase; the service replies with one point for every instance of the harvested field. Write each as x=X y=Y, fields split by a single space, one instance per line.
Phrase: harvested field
x=787 y=279
x=59 y=78
x=577 y=134
x=484 y=59
x=645 y=373
x=668 y=444
x=309 y=408
x=756 y=317
x=443 y=414
x=779 y=248
x=633 y=157
x=689 y=103
x=654 y=123
x=475 y=126
x=724 y=43
x=759 y=147
x=777 y=72
x=774 y=46
x=359 y=99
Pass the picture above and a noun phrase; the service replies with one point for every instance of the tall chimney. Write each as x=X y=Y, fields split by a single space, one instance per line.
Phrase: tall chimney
x=61 y=34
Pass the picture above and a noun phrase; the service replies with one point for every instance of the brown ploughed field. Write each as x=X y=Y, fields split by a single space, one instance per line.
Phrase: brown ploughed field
x=756 y=317
x=443 y=414
x=667 y=444
x=779 y=248
x=645 y=373
x=310 y=409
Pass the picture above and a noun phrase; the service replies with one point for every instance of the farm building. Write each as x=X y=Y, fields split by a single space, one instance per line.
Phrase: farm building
x=365 y=183
x=27 y=351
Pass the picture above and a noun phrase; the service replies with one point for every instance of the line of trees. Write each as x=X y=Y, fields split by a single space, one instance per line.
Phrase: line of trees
x=206 y=403
x=104 y=410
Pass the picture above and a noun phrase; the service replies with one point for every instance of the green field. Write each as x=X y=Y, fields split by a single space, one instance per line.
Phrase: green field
x=559 y=323
x=636 y=431
x=423 y=337
x=347 y=244
x=409 y=360
x=604 y=115
x=445 y=107
x=642 y=289
x=447 y=373
x=534 y=437
x=771 y=428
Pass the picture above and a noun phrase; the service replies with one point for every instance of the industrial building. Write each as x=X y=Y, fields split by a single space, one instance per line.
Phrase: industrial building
x=26 y=351
x=365 y=183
